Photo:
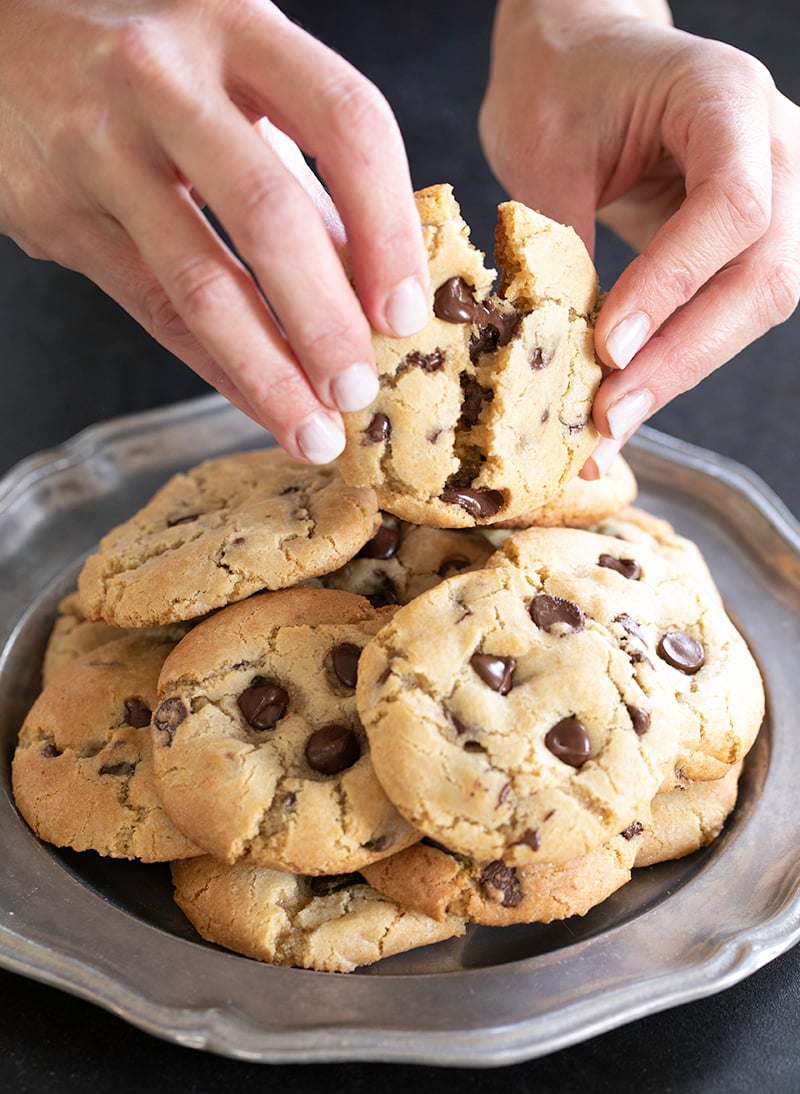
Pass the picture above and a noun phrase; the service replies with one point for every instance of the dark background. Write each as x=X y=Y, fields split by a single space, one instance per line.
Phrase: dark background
x=70 y=358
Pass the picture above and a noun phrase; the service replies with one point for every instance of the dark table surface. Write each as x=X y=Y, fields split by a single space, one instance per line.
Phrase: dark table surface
x=70 y=358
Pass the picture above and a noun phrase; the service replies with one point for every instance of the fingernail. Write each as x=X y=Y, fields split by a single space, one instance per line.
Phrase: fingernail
x=407 y=308
x=355 y=388
x=320 y=439
x=627 y=338
x=627 y=412
x=605 y=452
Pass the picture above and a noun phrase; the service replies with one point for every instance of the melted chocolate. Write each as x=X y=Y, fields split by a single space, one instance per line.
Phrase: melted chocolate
x=480 y=504
x=345 y=663
x=497 y=672
x=546 y=611
x=263 y=704
x=682 y=652
x=332 y=749
x=569 y=742
x=628 y=567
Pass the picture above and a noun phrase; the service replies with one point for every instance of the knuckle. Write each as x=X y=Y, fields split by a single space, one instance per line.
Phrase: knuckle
x=201 y=288
x=326 y=342
x=259 y=199
x=355 y=108
x=747 y=207
x=163 y=319
x=780 y=290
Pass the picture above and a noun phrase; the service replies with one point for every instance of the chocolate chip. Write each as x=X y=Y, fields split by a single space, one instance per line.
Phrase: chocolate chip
x=460 y=727
x=383 y=544
x=332 y=749
x=640 y=720
x=569 y=742
x=628 y=567
x=326 y=884
x=452 y=565
x=379 y=429
x=503 y=322
x=635 y=828
x=385 y=594
x=480 y=504
x=345 y=662
x=169 y=716
x=546 y=611
x=122 y=768
x=473 y=396
x=264 y=703
x=137 y=713
x=498 y=875
x=380 y=843
x=537 y=359
x=494 y=671
x=428 y=362
x=629 y=624
x=682 y=652
x=531 y=837
x=49 y=751
x=454 y=301
x=545 y=415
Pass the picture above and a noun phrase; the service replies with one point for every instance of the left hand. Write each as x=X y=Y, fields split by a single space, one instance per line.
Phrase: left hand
x=684 y=147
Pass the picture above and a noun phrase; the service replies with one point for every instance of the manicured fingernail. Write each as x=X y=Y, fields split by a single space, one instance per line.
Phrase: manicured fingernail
x=320 y=439
x=355 y=388
x=627 y=338
x=604 y=454
x=407 y=308
x=627 y=412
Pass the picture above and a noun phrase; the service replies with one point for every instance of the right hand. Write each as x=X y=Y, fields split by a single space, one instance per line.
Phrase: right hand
x=115 y=114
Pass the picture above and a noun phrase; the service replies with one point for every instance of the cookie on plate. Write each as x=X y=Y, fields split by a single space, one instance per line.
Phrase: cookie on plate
x=73 y=635
x=330 y=924
x=82 y=772
x=683 y=821
x=438 y=883
x=505 y=723
x=230 y=527
x=259 y=751
x=486 y=412
x=403 y=560
x=665 y=612
x=581 y=502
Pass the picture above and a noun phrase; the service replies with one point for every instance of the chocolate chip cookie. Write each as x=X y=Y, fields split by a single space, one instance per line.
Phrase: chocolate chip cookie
x=660 y=603
x=580 y=502
x=438 y=883
x=403 y=560
x=227 y=528
x=83 y=768
x=506 y=722
x=331 y=924
x=485 y=413
x=73 y=635
x=683 y=821
x=259 y=751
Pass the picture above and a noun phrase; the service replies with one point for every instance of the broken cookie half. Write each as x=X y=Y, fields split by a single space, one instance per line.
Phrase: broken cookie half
x=486 y=412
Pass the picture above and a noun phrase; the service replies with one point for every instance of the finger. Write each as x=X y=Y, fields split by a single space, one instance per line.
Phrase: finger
x=724 y=147
x=340 y=118
x=292 y=158
x=217 y=300
x=275 y=226
x=737 y=306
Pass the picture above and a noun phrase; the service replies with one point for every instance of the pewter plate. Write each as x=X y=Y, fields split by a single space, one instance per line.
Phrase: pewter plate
x=109 y=931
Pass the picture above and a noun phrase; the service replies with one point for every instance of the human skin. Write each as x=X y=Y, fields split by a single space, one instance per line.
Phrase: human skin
x=119 y=118
x=682 y=145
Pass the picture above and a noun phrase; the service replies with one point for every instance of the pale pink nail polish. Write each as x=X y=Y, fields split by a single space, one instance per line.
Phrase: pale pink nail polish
x=628 y=411
x=627 y=338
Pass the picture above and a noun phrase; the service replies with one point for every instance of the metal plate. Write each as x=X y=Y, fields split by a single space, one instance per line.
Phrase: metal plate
x=109 y=931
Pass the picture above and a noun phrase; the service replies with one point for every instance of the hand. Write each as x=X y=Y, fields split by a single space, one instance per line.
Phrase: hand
x=684 y=147
x=116 y=114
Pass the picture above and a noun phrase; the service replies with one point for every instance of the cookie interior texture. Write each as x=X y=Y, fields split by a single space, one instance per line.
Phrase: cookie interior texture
x=484 y=414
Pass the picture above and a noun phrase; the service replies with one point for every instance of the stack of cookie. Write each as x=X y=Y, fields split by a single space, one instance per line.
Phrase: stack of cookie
x=359 y=708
